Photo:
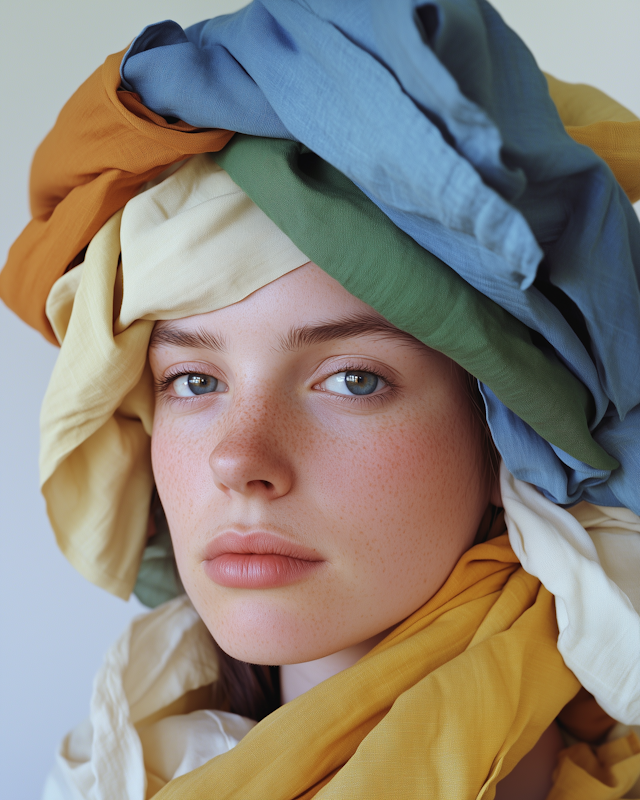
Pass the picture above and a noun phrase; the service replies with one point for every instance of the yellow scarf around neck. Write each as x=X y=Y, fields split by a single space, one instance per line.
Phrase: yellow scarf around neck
x=443 y=708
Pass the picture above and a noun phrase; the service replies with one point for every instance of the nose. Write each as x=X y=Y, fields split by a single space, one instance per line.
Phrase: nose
x=251 y=459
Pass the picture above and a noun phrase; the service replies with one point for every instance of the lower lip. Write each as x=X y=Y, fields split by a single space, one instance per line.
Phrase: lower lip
x=253 y=571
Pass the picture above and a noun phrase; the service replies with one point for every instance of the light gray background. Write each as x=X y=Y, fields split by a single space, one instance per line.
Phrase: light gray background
x=56 y=626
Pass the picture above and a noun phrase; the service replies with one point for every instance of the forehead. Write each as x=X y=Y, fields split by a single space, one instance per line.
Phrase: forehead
x=300 y=309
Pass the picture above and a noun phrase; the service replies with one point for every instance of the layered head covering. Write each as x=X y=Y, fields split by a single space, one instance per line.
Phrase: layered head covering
x=444 y=193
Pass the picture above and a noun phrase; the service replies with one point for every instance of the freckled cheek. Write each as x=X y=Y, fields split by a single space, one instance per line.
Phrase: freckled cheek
x=398 y=496
x=179 y=455
x=384 y=470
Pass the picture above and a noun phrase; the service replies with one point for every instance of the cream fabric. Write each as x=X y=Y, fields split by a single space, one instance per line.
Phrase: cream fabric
x=128 y=749
x=589 y=559
x=193 y=243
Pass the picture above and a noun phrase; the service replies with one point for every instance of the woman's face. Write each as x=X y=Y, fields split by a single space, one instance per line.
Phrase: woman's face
x=320 y=471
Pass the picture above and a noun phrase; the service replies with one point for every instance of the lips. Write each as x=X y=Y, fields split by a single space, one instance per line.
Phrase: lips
x=257 y=560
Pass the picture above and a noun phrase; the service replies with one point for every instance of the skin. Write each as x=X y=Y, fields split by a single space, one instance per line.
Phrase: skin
x=386 y=490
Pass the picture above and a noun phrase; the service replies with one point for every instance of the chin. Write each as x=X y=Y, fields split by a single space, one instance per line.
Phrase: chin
x=255 y=648
x=259 y=633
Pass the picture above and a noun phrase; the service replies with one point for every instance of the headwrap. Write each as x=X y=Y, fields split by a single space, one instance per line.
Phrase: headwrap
x=467 y=155
x=446 y=123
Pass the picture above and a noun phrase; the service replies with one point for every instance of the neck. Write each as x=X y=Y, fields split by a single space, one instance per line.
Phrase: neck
x=296 y=679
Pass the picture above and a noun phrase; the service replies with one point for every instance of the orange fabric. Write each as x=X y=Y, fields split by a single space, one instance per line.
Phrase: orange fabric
x=617 y=143
x=103 y=147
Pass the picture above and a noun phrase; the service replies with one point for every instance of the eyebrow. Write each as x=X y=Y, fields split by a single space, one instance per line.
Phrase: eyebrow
x=362 y=324
x=197 y=339
x=297 y=338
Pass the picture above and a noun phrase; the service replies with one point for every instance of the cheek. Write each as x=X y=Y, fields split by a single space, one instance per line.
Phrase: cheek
x=180 y=469
x=425 y=462
x=407 y=497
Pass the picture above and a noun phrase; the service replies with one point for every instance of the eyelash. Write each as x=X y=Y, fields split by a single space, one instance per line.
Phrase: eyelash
x=372 y=398
x=162 y=385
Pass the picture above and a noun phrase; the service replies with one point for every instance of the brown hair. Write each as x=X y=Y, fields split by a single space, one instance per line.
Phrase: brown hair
x=251 y=690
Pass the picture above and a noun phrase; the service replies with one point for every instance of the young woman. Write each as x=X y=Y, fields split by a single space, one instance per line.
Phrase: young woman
x=328 y=483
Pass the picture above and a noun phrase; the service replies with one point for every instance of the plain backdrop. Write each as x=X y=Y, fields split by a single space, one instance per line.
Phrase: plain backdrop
x=55 y=627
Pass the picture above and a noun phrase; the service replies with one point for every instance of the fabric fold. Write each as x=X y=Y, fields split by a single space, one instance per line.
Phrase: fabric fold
x=586 y=557
x=151 y=716
x=482 y=648
x=104 y=146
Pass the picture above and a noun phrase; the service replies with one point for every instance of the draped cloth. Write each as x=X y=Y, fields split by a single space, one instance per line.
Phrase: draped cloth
x=482 y=649
x=610 y=130
x=151 y=714
x=463 y=689
x=508 y=110
x=466 y=155
x=104 y=146
x=446 y=124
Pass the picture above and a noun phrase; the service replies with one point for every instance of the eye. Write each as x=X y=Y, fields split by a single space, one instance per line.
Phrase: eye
x=353 y=382
x=194 y=384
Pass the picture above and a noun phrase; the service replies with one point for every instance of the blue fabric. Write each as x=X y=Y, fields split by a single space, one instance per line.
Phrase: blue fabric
x=438 y=112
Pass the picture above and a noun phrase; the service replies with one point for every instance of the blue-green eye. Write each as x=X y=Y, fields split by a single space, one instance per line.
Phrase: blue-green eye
x=353 y=382
x=195 y=384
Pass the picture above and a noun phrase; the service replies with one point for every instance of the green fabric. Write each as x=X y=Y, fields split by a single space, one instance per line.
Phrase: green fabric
x=342 y=231
x=158 y=579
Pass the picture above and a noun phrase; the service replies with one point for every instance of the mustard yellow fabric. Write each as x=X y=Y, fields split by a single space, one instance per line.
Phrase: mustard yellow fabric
x=443 y=708
x=580 y=104
x=603 y=773
x=596 y=120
